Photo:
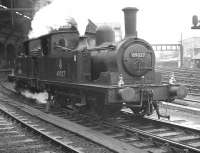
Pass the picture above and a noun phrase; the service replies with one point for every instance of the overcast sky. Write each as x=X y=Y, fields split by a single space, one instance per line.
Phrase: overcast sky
x=158 y=21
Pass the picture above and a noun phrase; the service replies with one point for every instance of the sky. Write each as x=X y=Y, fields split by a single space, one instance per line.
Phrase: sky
x=158 y=21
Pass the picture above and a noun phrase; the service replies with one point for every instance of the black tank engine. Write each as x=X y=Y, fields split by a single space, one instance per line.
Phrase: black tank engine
x=94 y=72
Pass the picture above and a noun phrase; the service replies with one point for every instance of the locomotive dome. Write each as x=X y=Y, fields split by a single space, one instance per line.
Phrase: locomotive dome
x=104 y=33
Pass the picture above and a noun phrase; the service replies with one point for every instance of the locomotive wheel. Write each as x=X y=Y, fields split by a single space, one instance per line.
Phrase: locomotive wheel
x=96 y=107
x=171 y=100
x=18 y=89
x=99 y=109
x=112 y=110
x=138 y=112
x=59 y=101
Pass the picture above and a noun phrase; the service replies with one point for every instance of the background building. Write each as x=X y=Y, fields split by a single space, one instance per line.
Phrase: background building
x=192 y=51
x=15 y=24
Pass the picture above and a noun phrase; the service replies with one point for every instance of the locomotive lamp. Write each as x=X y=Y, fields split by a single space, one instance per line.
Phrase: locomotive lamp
x=172 y=79
x=121 y=81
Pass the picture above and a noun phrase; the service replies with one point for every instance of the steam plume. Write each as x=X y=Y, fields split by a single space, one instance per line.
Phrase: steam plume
x=41 y=3
x=40 y=97
x=55 y=15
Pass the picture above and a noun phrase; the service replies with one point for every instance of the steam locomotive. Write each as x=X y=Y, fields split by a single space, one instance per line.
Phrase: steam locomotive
x=94 y=73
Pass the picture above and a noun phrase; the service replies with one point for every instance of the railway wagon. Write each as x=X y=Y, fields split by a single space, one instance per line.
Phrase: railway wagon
x=94 y=73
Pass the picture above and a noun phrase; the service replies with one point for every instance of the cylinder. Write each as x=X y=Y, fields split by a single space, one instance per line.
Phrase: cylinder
x=130 y=21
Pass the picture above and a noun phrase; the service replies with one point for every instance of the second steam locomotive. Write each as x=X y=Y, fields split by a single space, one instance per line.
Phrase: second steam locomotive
x=94 y=72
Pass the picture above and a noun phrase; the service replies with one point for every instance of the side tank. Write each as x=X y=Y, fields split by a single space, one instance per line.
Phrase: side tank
x=104 y=60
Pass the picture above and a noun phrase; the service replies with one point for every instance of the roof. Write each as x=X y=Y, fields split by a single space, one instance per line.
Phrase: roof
x=196 y=57
x=16 y=16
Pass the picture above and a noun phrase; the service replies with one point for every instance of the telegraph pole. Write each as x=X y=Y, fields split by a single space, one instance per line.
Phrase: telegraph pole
x=181 y=52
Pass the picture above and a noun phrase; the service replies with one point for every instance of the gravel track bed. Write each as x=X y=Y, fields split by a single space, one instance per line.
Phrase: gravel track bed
x=16 y=139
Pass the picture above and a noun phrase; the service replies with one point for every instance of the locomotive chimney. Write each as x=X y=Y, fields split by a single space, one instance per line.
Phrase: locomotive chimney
x=130 y=21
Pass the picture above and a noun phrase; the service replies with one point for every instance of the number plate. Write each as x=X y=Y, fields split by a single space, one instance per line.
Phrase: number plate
x=61 y=73
x=135 y=54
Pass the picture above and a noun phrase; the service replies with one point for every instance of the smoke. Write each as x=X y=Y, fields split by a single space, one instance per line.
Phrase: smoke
x=41 y=3
x=40 y=97
x=57 y=14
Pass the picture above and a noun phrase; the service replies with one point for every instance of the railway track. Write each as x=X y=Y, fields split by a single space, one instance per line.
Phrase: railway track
x=146 y=133
x=186 y=71
x=55 y=139
x=182 y=73
x=20 y=135
x=141 y=135
x=15 y=138
x=92 y=141
x=189 y=78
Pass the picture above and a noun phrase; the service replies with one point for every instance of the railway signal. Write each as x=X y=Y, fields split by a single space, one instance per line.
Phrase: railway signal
x=195 y=22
